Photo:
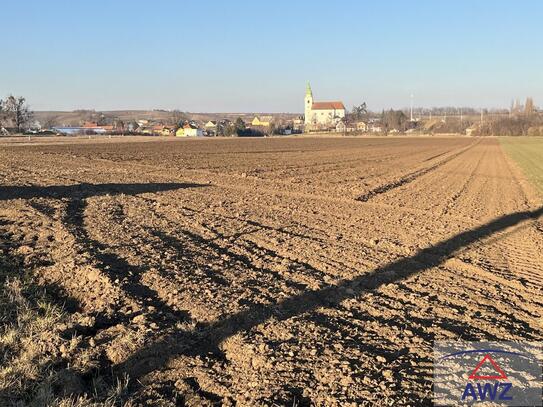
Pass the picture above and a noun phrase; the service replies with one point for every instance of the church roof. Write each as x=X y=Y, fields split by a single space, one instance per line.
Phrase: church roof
x=327 y=106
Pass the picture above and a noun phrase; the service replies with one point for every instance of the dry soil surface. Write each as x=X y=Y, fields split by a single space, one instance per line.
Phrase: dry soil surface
x=277 y=271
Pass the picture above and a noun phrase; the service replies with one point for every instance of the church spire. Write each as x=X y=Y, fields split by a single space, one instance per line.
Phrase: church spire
x=308 y=91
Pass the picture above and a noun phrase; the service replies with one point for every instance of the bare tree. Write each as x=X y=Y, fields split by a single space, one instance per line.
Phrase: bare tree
x=359 y=112
x=17 y=111
x=529 y=106
x=2 y=114
x=177 y=117
x=50 y=121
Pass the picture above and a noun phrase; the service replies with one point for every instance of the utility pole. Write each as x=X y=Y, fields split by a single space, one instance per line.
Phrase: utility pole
x=411 y=107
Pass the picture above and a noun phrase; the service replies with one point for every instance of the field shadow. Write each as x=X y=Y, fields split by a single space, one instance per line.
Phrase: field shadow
x=115 y=267
x=85 y=190
x=108 y=262
x=209 y=337
x=118 y=269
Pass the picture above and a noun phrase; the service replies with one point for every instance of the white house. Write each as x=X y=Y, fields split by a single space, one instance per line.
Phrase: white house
x=321 y=114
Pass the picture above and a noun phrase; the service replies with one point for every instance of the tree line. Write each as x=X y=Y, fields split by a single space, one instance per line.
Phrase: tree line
x=523 y=125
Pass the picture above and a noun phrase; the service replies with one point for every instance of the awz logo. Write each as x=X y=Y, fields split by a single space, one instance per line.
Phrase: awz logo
x=483 y=373
x=487 y=391
x=486 y=386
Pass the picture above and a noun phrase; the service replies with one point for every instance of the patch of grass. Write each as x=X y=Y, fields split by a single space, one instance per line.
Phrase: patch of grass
x=528 y=153
x=35 y=359
x=28 y=340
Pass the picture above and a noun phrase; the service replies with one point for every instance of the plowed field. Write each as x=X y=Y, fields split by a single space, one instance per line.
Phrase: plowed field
x=282 y=272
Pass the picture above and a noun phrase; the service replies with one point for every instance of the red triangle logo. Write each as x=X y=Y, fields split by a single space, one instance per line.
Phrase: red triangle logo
x=475 y=376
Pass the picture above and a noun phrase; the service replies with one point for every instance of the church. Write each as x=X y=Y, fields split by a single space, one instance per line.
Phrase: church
x=321 y=115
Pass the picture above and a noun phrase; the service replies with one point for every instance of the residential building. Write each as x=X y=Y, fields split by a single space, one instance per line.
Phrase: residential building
x=362 y=126
x=163 y=130
x=189 y=130
x=263 y=121
x=342 y=126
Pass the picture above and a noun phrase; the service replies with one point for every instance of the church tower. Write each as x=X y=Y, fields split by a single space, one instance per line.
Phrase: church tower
x=308 y=103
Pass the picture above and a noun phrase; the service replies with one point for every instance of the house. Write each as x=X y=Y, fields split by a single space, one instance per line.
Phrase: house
x=321 y=114
x=86 y=128
x=343 y=126
x=361 y=126
x=158 y=130
x=163 y=130
x=211 y=128
x=69 y=130
x=298 y=123
x=108 y=128
x=189 y=130
x=262 y=121
x=471 y=130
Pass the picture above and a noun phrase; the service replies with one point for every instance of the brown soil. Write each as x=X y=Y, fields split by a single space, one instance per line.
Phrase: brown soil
x=286 y=271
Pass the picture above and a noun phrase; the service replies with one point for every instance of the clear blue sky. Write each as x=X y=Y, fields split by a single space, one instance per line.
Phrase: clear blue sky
x=232 y=56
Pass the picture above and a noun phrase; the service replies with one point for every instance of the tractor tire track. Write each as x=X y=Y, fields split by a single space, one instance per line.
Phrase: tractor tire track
x=406 y=179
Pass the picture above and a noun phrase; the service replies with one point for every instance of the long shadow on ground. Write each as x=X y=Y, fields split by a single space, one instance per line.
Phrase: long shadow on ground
x=84 y=190
x=114 y=266
x=208 y=338
x=108 y=262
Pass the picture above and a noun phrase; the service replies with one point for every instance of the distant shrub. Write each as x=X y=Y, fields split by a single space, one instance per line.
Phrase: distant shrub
x=522 y=125
x=536 y=131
